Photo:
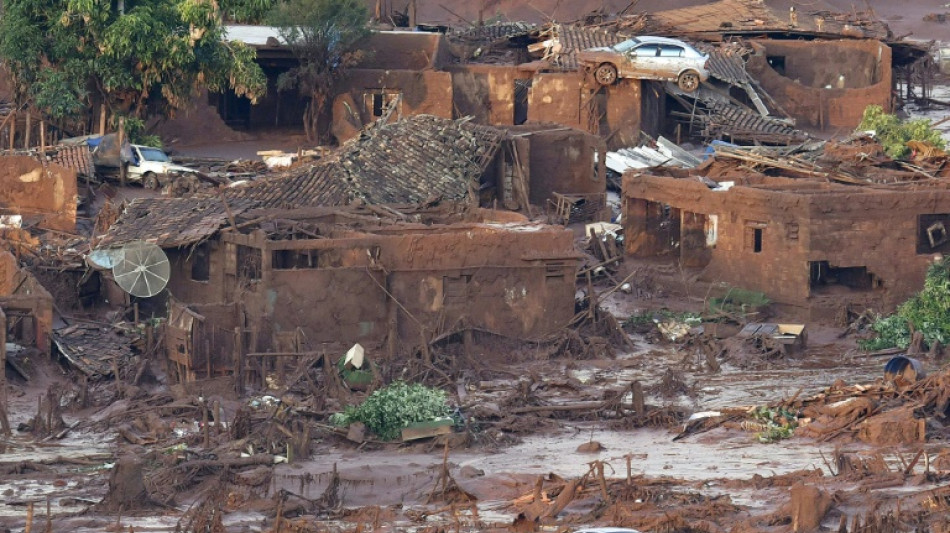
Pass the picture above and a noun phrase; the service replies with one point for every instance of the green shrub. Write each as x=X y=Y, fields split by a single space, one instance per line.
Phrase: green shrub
x=926 y=312
x=739 y=301
x=390 y=409
x=893 y=133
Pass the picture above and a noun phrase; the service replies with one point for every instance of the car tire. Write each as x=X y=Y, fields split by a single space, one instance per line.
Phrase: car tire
x=150 y=181
x=688 y=81
x=605 y=74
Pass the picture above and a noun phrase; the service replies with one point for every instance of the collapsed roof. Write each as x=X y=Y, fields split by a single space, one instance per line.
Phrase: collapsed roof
x=414 y=160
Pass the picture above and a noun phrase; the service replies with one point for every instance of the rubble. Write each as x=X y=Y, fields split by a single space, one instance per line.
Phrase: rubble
x=689 y=365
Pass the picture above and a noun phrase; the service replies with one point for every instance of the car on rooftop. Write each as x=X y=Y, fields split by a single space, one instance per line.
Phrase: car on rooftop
x=651 y=58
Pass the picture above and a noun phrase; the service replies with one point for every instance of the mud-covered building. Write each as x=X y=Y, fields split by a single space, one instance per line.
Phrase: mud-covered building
x=820 y=248
x=773 y=73
x=382 y=243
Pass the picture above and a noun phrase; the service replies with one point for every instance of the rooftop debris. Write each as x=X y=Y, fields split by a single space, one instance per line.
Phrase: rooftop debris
x=96 y=351
x=415 y=160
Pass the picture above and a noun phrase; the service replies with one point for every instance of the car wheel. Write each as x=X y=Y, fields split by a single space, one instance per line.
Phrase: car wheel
x=688 y=81
x=150 y=180
x=606 y=74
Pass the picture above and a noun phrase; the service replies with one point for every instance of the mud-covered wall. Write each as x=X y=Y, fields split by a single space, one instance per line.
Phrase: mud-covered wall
x=515 y=283
x=556 y=97
x=486 y=92
x=187 y=281
x=420 y=92
x=857 y=72
x=768 y=239
x=879 y=231
x=403 y=50
x=623 y=114
x=566 y=98
x=20 y=291
x=562 y=160
x=45 y=193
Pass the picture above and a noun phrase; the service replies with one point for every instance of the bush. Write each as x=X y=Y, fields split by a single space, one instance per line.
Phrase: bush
x=893 y=133
x=925 y=312
x=390 y=409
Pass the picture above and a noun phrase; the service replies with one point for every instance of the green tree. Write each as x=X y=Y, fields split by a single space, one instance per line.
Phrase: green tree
x=139 y=58
x=894 y=133
x=323 y=35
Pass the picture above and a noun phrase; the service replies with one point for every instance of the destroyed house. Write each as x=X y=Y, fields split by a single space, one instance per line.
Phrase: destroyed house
x=319 y=250
x=301 y=279
x=818 y=248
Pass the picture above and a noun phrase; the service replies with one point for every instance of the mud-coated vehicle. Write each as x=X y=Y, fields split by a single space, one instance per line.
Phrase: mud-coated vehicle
x=649 y=58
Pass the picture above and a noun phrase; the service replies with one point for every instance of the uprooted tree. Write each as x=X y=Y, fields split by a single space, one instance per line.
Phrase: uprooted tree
x=323 y=35
x=139 y=58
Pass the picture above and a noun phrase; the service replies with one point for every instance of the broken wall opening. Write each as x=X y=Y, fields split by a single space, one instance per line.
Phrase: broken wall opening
x=933 y=233
x=697 y=238
x=824 y=277
x=657 y=228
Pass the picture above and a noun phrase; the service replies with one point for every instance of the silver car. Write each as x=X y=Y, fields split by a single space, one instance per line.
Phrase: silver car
x=652 y=58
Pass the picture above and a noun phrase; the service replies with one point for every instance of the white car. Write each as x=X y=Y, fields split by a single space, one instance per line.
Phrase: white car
x=151 y=165
x=650 y=58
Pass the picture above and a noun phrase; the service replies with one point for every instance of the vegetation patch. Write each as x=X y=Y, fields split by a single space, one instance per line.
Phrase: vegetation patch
x=894 y=133
x=390 y=409
x=925 y=312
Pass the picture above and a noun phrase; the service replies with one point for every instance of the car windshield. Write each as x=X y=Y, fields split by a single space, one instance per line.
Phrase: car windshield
x=626 y=45
x=154 y=154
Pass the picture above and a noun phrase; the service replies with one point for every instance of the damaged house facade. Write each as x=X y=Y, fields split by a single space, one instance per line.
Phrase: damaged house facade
x=382 y=242
x=771 y=72
x=820 y=249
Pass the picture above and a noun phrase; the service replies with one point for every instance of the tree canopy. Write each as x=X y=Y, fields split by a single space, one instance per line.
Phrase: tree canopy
x=67 y=55
x=324 y=35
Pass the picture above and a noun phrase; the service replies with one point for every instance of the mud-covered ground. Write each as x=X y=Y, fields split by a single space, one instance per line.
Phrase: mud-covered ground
x=720 y=478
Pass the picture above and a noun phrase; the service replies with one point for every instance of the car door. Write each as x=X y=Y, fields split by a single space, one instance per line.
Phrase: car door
x=643 y=61
x=669 y=61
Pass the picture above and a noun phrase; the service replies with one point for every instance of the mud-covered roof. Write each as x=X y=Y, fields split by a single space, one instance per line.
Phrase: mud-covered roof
x=409 y=161
x=490 y=33
x=95 y=350
x=727 y=62
x=735 y=17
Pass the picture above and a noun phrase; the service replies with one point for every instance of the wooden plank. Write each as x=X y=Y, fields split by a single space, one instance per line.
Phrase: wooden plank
x=423 y=430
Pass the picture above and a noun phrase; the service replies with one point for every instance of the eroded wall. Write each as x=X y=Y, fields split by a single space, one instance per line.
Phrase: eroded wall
x=826 y=84
x=561 y=160
x=486 y=92
x=22 y=294
x=47 y=194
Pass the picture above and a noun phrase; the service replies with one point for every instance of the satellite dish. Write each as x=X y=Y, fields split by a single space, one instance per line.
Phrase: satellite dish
x=104 y=258
x=142 y=270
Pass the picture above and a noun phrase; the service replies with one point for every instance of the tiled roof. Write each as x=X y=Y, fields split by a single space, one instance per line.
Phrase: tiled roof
x=171 y=222
x=727 y=62
x=408 y=161
x=740 y=124
x=91 y=349
x=490 y=32
x=78 y=158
